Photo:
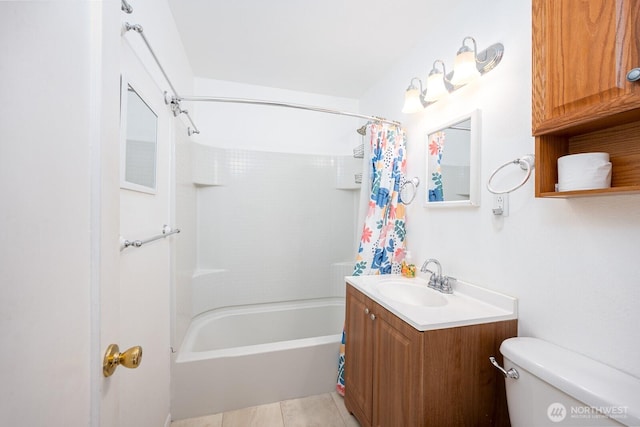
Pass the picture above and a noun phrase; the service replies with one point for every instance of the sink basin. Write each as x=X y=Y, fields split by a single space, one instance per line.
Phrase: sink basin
x=405 y=292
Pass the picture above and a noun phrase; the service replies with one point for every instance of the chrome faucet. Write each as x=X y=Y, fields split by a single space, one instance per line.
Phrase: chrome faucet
x=434 y=279
x=437 y=281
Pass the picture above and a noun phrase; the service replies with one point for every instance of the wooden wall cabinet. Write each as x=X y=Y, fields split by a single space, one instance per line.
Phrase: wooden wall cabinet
x=396 y=375
x=582 y=101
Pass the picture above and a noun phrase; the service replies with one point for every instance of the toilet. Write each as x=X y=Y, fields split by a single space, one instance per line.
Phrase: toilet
x=558 y=387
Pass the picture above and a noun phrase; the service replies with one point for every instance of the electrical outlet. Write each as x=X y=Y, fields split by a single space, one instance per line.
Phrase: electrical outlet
x=501 y=204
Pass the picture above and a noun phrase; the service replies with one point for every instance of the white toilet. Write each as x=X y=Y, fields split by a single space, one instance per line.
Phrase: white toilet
x=557 y=387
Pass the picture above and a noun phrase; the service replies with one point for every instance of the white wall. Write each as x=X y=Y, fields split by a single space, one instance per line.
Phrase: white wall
x=572 y=263
x=51 y=154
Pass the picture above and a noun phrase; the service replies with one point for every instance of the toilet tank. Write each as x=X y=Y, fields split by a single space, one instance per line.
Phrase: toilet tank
x=558 y=387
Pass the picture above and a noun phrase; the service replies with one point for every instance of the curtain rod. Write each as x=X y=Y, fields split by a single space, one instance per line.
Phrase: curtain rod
x=175 y=106
x=175 y=100
x=283 y=104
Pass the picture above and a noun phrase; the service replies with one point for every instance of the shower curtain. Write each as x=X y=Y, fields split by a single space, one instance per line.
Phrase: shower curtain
x=382 y=243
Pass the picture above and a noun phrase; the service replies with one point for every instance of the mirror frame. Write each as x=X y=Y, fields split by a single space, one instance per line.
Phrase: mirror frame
x=474 y=163
x=125 y=84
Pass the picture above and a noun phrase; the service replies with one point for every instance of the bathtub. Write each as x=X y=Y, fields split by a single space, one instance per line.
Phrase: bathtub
x=244 y=356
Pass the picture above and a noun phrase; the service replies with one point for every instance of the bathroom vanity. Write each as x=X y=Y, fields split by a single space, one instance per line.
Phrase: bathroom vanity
x=415 y=357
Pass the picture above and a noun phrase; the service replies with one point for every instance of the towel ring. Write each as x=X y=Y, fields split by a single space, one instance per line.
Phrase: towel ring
x=415 y=181
x=526 y=163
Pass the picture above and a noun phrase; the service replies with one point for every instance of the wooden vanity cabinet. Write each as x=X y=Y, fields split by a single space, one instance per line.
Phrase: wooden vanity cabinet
x=396 y=375
x=582 y=101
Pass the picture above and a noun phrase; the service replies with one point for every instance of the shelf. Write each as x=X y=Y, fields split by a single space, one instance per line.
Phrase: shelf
x=622 y=142
x=631 y=189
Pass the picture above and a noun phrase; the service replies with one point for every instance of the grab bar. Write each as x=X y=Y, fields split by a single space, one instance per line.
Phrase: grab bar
x=166 y=231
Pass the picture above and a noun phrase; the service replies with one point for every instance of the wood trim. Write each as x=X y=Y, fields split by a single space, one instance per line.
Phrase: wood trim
x=548 y=149
x=538 y=36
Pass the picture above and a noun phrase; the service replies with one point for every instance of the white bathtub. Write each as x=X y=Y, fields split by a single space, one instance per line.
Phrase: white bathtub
x=244 y=356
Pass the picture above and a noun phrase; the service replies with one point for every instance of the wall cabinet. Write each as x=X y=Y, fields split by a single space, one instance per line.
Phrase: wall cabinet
x=396 y=375
x=582 y=101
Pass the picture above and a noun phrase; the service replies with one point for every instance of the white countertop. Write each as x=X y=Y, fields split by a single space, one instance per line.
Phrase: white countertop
x=468 y=305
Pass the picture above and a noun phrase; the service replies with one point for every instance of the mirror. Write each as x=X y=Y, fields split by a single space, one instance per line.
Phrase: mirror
x=139 y=126
x=453 y=163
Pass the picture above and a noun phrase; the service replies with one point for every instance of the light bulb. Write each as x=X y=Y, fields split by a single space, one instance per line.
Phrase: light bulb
x=412 y=103
x=435 y=87
x=464 y=68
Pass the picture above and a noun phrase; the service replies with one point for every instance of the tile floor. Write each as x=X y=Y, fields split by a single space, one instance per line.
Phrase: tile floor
x=323 y=410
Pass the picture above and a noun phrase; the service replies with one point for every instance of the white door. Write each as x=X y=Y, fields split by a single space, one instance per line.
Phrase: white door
x=135 y=311
x=145 y=270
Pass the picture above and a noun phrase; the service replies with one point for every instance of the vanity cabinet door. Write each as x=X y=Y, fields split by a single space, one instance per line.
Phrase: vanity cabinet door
x=582 y=51
x=397 y=372
x=358 y=356
x=383 y=369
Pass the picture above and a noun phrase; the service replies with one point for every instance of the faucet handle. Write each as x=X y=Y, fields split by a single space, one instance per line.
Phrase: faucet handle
x=434 y=280
x=447 y=283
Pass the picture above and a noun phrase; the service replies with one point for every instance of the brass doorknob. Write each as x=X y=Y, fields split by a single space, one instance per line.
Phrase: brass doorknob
x=131 y=358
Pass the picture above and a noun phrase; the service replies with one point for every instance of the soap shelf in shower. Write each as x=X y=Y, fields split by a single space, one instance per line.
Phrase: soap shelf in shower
x=358 y=152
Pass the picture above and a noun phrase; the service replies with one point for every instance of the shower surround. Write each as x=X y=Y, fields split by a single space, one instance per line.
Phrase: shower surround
x=274 y=227
x=270 y=228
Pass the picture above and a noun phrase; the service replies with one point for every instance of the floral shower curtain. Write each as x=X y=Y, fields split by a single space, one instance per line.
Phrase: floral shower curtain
x=382 y=244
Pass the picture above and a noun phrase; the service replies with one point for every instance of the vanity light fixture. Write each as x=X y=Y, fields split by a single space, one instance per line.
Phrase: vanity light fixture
x=468 y=65
x=436 y=83
x=413 y=98
x=464 y=67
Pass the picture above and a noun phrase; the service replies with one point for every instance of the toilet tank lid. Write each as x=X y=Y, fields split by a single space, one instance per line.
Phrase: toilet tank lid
x=589 y=381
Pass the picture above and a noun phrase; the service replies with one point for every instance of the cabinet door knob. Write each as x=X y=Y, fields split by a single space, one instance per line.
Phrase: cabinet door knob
x=633 y=75
x=366 y=311
x=373 y=316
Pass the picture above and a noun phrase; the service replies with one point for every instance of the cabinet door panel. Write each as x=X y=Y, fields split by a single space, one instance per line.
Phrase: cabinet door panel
x=582 y=51
x=397 y=372
x=358 y=357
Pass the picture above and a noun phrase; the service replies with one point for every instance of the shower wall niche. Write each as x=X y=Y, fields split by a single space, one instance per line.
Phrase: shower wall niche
x=272 y=226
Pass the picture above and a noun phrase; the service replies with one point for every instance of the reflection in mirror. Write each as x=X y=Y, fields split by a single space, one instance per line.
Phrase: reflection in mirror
x=140 y=141
x=453 y=163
